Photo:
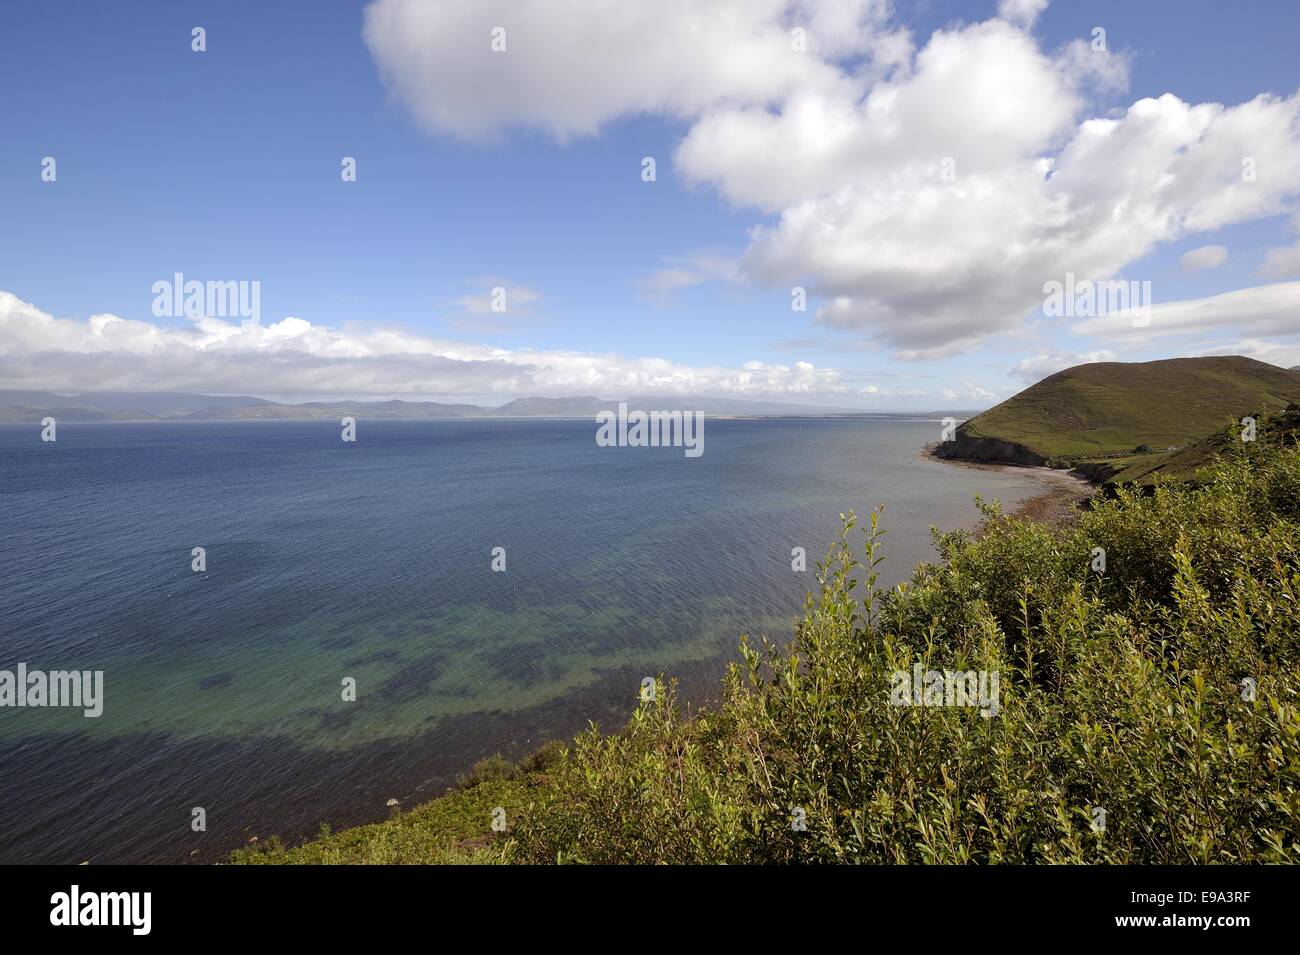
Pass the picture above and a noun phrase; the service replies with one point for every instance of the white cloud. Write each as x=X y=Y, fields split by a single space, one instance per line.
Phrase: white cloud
x=1263 y=310
x=984 y=96
x=845 y=148
x=969 y=392
x=295 y=357
x=1037 y=367
x=1281 y=263
x=1283 y=354
x=568 y=68
x=687 y=272
x=1205 y=257
x=932 y=268
x=1024 y=12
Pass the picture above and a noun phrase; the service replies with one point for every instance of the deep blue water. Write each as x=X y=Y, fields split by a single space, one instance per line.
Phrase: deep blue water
x=372 y=561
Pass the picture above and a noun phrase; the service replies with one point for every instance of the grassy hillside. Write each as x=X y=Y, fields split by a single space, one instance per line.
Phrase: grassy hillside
x=1093 y=411
x=1161 y=688
x=1189 y=460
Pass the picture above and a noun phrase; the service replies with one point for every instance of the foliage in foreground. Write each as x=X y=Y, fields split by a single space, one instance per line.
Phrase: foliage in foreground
x=1128 y=691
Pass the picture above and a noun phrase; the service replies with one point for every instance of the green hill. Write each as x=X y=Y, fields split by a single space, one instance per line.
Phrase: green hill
x=1106 y=416
x=1188 y=461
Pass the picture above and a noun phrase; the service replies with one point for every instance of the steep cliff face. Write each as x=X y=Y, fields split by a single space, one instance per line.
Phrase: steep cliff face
x=968 y=447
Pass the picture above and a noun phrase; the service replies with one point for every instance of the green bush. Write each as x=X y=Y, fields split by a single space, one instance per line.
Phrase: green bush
x=1162 y=690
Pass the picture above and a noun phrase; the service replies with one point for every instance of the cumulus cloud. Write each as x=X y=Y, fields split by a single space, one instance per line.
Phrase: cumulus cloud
x=295 y=357
x=1024 y=12
x=568 y=68
x=1206 y=257
x=932 y=268
x=923 y=193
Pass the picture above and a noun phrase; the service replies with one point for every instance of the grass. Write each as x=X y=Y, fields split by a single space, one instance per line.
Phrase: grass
x=1187 y=462
x=455 y=829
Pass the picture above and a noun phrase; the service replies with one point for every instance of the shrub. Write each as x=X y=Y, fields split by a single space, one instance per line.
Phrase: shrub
x=1163 y=692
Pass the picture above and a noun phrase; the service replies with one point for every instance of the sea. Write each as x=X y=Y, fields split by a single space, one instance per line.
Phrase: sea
x=365 y=620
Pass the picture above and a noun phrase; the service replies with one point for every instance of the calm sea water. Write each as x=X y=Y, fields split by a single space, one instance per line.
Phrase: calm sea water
x=373 y=561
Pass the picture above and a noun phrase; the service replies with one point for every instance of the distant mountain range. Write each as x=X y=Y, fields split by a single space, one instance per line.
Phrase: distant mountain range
x=31 y=406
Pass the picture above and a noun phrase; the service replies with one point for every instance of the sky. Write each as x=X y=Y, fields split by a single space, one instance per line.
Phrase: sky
x=922 y=171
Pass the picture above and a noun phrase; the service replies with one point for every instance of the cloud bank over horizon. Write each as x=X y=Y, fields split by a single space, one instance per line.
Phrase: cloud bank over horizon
x=296 y=357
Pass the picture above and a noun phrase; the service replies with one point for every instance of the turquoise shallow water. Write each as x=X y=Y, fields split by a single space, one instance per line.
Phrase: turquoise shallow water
x=372 y=562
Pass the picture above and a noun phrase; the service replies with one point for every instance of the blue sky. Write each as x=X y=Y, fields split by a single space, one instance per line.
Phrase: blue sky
x=224 y=165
